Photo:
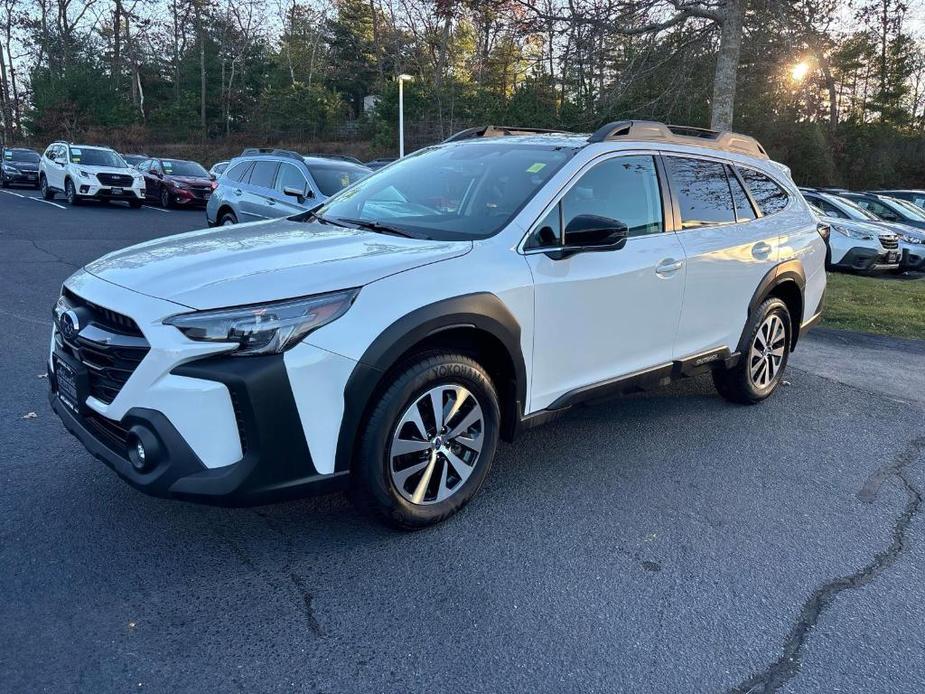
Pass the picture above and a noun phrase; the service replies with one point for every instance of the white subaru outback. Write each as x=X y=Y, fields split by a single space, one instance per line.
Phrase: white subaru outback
x=83 y=172
x=386 y=340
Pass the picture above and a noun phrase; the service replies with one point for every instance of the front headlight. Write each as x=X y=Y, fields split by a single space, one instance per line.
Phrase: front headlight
x=265 y=328
x=84 y=174
x=851 y=233
x=10 y=169
x=180 y=184
x=910 y=239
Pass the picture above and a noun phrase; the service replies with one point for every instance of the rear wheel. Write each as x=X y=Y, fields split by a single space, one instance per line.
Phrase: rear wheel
x=70 y=192
x=429 y=441
x=764 y=359
x=227 y=219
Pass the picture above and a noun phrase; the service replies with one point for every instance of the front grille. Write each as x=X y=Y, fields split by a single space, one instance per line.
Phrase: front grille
x=110 y=179
x=110 y=346
x=889 y=242
x=201 y=192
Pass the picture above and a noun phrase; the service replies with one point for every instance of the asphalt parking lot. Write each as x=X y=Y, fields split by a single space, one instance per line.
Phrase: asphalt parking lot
x=664 y=542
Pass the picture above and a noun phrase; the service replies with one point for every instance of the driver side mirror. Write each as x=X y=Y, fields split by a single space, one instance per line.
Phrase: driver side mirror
x=591 y=232
x=299 y=194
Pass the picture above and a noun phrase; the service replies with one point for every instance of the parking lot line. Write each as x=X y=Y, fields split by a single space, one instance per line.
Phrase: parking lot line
x=47 y=202
x=18 y=195
x=156 y=209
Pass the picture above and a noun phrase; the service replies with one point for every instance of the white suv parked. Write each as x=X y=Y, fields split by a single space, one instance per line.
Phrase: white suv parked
x=83 y=172
x=386 y=340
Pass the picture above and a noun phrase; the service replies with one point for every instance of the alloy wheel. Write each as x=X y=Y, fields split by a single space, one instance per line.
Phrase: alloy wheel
x=436 y=444
x=70 y=193
x=767 y=351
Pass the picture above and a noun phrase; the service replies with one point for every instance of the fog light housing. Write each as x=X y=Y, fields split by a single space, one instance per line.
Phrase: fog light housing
x=84 y=189
x=143 y=449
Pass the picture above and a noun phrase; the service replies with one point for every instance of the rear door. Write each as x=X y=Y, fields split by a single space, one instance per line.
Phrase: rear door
x=600 y=316
x=730 y=246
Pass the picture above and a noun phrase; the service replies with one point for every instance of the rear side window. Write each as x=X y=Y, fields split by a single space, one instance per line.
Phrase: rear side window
x=702 y=191
x=264 y=174
x=769 y=196
x=238 y=172
x=744 y=210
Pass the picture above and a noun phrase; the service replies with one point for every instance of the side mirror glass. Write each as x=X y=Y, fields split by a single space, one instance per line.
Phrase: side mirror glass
x=298 y=193
x=591 y=232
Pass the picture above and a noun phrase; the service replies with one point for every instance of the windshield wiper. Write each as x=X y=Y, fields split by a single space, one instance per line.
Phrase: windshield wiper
x=376 y=226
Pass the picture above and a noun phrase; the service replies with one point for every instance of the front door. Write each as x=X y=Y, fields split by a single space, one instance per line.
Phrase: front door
x=607 y=314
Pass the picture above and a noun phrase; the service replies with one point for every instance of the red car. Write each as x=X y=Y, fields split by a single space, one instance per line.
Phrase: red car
x=176 y=182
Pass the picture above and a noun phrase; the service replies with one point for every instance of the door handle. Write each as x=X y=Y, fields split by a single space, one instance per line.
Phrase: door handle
x=761 y=250
x=668 y=267
x=271 y=201
x=237 y=191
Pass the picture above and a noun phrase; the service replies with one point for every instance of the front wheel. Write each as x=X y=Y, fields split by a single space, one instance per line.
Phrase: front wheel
x=429 y=441
x=47 y=193
x=71 y=193
x=134 y=204
x=228 y=219
x=764 y=357
x=165 y=198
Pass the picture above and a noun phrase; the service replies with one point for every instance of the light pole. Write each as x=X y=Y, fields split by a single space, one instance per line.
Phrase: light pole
x=401 y=113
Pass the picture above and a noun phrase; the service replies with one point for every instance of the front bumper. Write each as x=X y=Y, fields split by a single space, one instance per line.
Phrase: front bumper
x=276 y=462
x=30 y=178
x=869 y=259
x=227 y=430
x=190 y=198
x=101 y=192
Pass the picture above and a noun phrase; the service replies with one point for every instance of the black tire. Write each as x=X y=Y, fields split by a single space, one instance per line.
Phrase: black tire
x=47 y=193
x=3 y=182
x=166 y=202
x=134 y=204
x=373 y=487
x=70 y=193
x=738 y=384
x=227 y=219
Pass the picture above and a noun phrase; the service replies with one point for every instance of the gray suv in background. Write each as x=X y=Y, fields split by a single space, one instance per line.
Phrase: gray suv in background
x=269 y=183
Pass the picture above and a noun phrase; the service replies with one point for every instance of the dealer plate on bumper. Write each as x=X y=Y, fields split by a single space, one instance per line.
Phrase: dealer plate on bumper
x=115 y=191
x=72 y=382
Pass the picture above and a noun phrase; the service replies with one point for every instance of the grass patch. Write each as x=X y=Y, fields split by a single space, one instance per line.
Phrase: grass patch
x=875 y=305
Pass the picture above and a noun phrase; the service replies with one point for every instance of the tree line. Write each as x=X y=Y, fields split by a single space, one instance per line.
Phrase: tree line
x=836 y=91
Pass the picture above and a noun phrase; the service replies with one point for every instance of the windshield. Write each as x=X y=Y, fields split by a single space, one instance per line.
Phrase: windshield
x=464 y=191
x=22 y=155
x=855 y=211
x=333 y=178
x=96 y=157
x=179 y=167
x=907 y=208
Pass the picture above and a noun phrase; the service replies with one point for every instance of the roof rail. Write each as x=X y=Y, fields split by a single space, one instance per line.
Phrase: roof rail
x=499 y=131
x=253 y=151
x=679 y=134
x=337 y=157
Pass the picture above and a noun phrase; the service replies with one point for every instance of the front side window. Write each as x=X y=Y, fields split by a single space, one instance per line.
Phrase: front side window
x=289 y=177
x=911 y=211
x=264 y=174
x=769 y=196
x=702 y=190
x=880 y=210
x=827 y=208
x=455 y=192
x=624 y=189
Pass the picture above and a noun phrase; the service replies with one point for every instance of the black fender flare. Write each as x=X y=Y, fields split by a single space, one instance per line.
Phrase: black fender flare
x=482 y=311
x=782 y=273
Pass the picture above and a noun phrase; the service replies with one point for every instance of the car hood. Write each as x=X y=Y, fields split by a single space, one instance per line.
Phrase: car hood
x=265 y=261
x=22 y=165
x=125 y=171
x=904 y=229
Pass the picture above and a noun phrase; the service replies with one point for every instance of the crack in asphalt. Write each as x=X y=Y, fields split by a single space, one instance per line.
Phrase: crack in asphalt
x=295 y=578
x=789 y=664
x=57 y=258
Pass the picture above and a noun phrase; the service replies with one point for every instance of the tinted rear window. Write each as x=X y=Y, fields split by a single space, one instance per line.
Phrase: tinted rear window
x=264 y=174
x=769 y=196
x=702 y=191
x=238 y=172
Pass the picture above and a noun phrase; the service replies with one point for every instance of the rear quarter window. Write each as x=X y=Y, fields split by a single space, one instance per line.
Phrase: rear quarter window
x=769 y=196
